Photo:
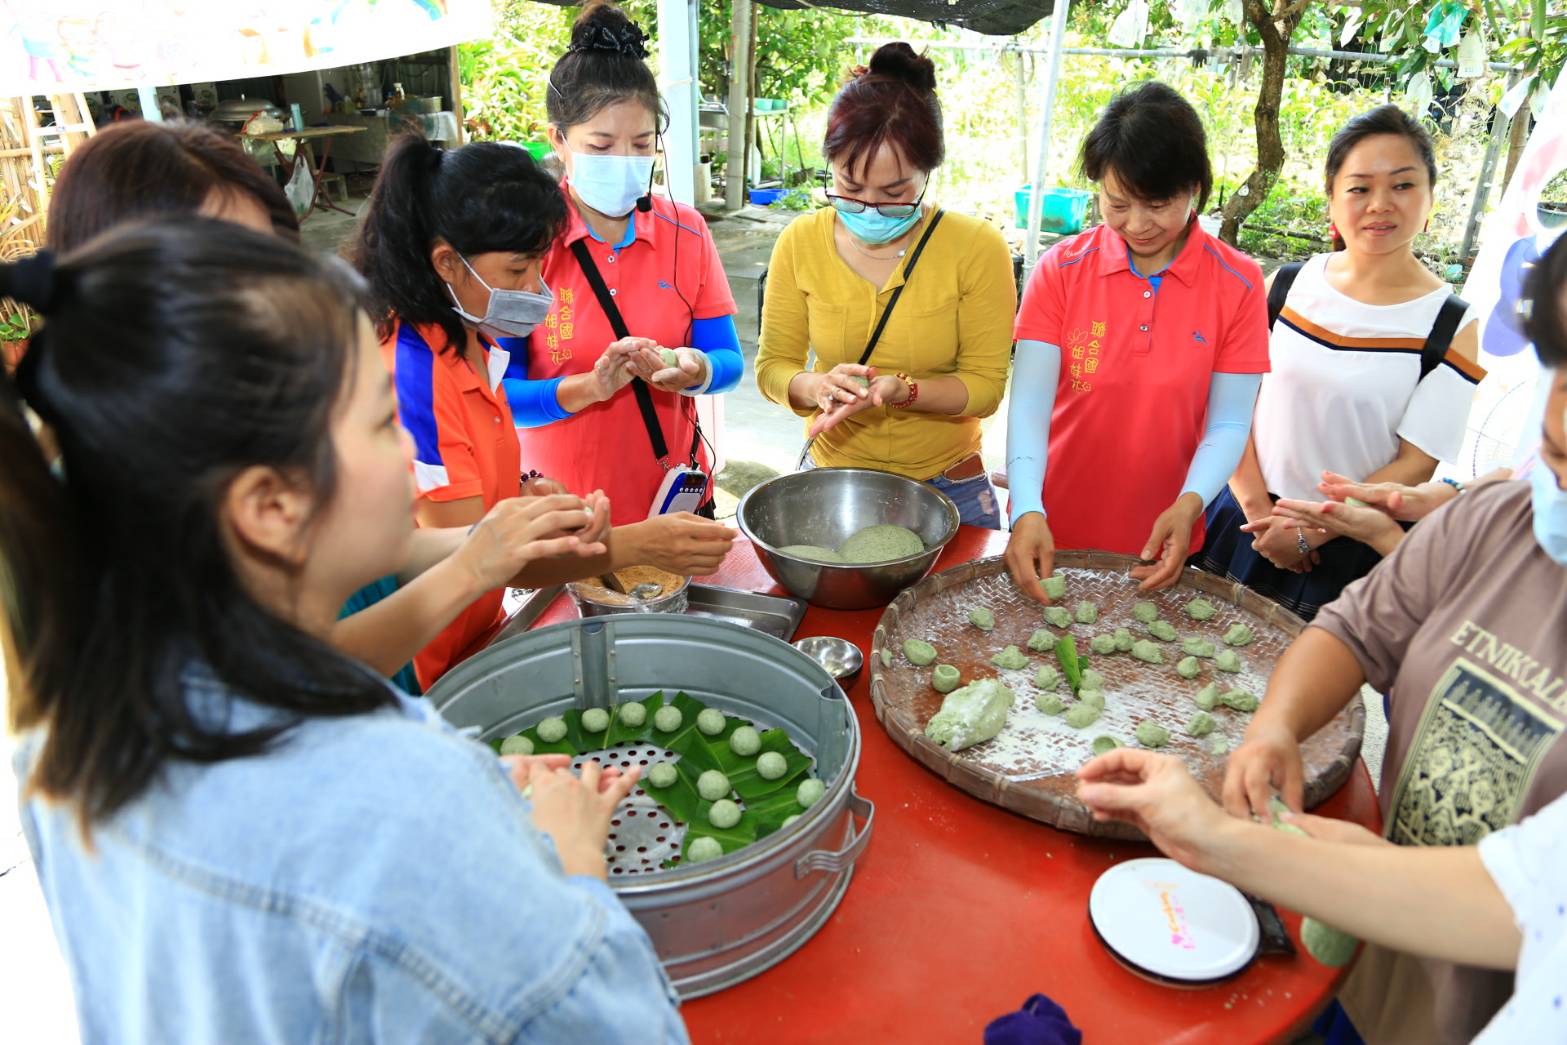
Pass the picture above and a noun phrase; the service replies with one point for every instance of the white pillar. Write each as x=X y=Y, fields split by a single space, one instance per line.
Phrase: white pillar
x=1036 y=201
x=148 y=96
x=677 y=44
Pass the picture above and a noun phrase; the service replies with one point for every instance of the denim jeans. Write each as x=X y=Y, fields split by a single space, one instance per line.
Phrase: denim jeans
x=975 y=497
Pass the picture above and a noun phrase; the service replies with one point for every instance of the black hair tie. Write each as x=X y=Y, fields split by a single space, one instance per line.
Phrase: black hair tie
x=627 y=40
x=32 y=282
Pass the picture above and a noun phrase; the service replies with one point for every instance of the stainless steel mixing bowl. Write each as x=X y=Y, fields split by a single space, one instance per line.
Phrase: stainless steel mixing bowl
x=824 y=506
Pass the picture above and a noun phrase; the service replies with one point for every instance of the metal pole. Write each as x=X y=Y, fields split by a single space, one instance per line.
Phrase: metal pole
x=739 y=102
x=677 y=49
x=1493 y=151
x=1047 y=103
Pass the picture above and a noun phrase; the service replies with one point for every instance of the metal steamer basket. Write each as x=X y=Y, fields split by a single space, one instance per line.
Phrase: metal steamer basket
x=716 y=923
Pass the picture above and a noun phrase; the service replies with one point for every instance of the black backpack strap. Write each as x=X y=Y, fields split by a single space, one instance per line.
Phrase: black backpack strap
x=1279 y=292
x=897 y=292
x=1440 y=339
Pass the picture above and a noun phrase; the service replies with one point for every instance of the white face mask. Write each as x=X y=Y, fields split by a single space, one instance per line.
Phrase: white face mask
x=611 y=185
x=510 y=313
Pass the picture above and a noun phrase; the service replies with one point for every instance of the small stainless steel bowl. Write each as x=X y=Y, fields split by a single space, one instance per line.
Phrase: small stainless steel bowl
x=840 y=658
x=597 y=602
x=824 y=506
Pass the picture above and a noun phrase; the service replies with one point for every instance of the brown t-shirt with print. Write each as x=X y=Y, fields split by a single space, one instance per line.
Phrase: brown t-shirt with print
x=1463 y=626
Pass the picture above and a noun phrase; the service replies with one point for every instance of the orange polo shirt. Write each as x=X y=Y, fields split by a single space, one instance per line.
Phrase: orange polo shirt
x=1136 y=362
x=464 y=446
x=663 y=275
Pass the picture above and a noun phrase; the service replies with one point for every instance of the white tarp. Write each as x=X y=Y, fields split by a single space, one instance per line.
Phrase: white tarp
x=96 y=45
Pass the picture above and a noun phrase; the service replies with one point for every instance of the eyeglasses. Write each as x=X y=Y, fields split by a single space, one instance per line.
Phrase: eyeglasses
x=849 y=205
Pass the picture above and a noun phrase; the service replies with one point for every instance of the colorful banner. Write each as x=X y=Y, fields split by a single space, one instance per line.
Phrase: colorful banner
x=95 y=45
x=1504 y=425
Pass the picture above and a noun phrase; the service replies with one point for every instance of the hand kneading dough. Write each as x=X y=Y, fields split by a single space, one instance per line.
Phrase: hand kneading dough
x=1055 y=586
x=1059 y=616
x=1050 y=703
x=712 y=785
x=1332 y=947
x=919 y=652
x=669 y=357
x=1188 y=668
x=1151 y=734
x=811 y=553
x=1087 y=612
x=1081 y=715
x=633 y=714
x=1147 y=652
x=771 y=765
x=944 y=678
x=552 y=730
x=970 y=715
x=595 y=720
x=661 y=774
x=703 y=849
x=723 y=813
x=982 y=618
x=1228 y=660
x=745 y=741
x=881 y=544
x=667 y=719
x=517 y=745
x=1011 y=657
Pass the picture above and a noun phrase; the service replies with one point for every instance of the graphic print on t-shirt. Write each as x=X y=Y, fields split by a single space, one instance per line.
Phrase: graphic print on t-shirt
x=1473 y=758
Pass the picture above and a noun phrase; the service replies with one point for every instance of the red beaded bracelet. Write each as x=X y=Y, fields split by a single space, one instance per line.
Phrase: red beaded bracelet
x=914 y=391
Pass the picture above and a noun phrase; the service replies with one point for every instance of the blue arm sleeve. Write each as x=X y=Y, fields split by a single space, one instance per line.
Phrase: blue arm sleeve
x=1230 y=401
x=1036 y=371
x=534 y=404
x=720 y=342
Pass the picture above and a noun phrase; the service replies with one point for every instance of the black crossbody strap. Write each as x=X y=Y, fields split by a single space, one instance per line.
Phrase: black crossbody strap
x=1442 y=330
x=897 y=292
x=1279 y=292
x=655 y=433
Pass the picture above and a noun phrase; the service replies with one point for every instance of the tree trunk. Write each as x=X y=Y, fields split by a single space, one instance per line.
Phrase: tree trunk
x=1276 y=27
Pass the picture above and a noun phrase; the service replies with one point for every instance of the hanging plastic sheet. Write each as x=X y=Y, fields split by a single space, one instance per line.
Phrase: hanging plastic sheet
x=1130 y=26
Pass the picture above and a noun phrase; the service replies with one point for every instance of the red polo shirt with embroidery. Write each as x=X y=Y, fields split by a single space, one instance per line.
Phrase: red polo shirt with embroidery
x=663 y=275
x=1136 y=361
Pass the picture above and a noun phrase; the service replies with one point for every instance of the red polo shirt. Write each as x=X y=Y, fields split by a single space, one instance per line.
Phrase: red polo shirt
x=464 y=446
x=663 y=275
x=1135 y=367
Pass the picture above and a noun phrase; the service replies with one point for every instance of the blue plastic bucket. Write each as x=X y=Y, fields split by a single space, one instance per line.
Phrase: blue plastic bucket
x=1061 y=210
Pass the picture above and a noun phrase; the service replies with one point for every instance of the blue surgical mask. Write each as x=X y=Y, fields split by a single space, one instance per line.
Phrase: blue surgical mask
x=872 y=226
x=610 y=185
x=510 y=313
x=1550 y=512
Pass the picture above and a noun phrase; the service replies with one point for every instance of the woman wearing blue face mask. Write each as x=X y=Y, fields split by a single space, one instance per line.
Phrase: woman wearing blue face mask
x=632 y=273
x=1461 y=626
x=910 y=400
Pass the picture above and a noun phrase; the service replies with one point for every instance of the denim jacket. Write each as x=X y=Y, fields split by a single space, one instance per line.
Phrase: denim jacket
x=370 y=878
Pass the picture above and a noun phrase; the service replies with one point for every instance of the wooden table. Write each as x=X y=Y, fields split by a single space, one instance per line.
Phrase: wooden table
x=959 y=910
x=302 y=147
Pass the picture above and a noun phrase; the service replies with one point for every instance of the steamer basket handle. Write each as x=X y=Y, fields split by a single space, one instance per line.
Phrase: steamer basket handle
x=821 y=860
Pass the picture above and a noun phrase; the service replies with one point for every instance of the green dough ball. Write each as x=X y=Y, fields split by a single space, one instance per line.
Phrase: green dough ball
x=1219 y=744
x=1123 y=640
x=745 y=741
x=1201 y=609
x=1102 y=644
x=703 y=849
x=1207 y=698
x=661 y=774
x=1082 y=715
x=881 y=543
x=669 y=357
x=1238 y=635
x=710 y=721
x=1188 y=668
x=633 y=714
x=919 y=652
x=1047 y=677
x=1146 y=612
x=1042 y=641
x=1050 y=703
x=1055 y=586
x=1059 y=616
x=1095 y=697
x=1086 y=613
x=1332 y=947
x=1201 y=724
x=771 y=765
x=886 y=657
x=723 y=814
x=791 y=818
x=982 y=618
x=1091 y=680
x=712 y=785
x=809 y=792
x=1197 y=646
x=1011 y=657
x=1228 y=660
x=1239 y=700
x=667 y=719
x=945 y=678
x=552 y=730
x=1162 y=630
x=1355 y=502
x=1151 y=734
x=1105 y=742
x=595 y=720
x=811 y=552
x=517 y=745
x=1147 y=652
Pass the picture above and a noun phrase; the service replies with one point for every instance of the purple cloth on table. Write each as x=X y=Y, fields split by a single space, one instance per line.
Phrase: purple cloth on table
x=1039 y=1022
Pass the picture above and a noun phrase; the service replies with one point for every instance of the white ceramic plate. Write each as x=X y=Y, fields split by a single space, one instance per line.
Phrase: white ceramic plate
x=1161 y=918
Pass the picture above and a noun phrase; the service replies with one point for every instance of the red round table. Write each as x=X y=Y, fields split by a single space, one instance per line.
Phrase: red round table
x=959 y=910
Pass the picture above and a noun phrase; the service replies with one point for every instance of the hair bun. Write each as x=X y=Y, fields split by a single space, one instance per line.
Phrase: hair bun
x=32 y=282
x=897 y=61
x=604 y=27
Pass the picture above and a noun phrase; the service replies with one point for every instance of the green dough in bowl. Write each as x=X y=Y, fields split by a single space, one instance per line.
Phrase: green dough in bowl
x=810 y=552
x=880 y=544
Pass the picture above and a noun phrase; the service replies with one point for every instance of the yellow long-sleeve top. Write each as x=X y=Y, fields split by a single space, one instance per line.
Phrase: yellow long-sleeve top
x=955 y=319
